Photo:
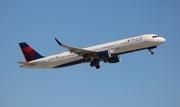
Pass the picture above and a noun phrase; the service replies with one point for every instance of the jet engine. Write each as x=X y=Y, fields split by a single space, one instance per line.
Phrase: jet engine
x=105 y=54
x=113 y=59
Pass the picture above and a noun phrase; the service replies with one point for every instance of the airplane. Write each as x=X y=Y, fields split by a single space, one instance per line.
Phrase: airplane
x=108 y=52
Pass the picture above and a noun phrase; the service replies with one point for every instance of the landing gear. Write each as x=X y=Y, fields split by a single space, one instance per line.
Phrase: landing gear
x=152 y=53
x=97 y=66
x=92 y=64
x=95 y=63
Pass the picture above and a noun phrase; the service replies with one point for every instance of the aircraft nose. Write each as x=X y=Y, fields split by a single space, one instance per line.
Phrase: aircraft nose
x=162 y=40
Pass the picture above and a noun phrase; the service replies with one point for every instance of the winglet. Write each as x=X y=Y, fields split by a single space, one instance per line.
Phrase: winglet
x=58 y=41
x=62 y=45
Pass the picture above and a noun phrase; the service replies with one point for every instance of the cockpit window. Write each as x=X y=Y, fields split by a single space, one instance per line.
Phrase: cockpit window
x=155 y=36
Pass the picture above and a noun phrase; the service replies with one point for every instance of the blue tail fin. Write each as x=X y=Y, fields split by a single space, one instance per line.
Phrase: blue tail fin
x=29 y=53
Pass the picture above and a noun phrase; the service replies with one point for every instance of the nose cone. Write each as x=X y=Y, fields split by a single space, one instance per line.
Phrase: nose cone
x=161 y=40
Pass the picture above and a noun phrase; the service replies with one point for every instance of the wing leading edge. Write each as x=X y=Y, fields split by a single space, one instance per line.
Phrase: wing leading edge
x=74 y=49
x=81 y=52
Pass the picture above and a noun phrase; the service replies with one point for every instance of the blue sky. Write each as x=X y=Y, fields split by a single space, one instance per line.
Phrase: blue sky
x=139 y=80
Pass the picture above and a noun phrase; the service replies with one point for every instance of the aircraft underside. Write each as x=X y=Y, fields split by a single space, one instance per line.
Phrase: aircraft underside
x=95 y=62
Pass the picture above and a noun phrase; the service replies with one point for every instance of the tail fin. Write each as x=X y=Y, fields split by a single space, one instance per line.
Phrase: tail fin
x=29 y=53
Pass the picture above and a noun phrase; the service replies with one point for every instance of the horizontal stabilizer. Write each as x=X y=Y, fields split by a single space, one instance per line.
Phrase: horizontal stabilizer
x=26 y=63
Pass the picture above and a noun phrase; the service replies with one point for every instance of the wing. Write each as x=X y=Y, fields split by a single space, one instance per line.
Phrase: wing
x=81 y=52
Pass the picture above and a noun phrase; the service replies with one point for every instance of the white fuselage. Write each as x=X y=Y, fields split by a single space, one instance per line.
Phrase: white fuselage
x=118 y=47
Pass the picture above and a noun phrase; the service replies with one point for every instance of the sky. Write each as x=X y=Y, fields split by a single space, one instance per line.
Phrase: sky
x=139 y=80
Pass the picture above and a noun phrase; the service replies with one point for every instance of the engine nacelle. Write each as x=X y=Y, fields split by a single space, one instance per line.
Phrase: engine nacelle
x=104 y=54
x=113 y=59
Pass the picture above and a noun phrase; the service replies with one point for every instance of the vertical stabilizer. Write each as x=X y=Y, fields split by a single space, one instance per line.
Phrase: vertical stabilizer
x=29 y=53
